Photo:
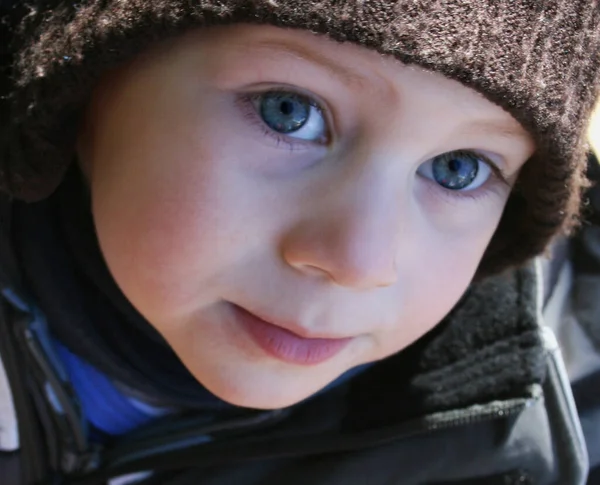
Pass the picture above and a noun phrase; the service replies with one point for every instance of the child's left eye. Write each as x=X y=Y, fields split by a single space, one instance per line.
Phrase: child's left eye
x=458 y=170
x=292 y=115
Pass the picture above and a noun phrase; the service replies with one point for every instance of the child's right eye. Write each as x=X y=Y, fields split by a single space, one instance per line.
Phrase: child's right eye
x=291 y=114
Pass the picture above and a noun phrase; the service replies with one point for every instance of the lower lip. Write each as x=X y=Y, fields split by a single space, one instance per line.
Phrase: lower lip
x=285 y=345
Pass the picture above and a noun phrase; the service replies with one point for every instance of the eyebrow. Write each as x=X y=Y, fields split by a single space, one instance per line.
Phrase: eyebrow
x=346 y=75
x=505 y=129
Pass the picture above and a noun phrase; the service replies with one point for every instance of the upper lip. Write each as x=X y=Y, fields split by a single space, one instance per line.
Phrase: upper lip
x=293 y=327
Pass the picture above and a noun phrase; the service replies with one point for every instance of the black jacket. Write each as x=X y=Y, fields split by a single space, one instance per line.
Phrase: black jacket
x=482 y=399
x=578 y=325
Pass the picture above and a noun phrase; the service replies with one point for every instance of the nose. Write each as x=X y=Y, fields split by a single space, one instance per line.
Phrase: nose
x=351 y=236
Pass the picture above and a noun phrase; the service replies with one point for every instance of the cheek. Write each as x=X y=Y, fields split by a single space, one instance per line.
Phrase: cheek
x=154 y=241
x=450 y=254
x=442 y=262
x=167 y=213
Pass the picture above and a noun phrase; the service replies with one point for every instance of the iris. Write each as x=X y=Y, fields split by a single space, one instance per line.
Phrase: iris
x=284 y=112
x=455 y=170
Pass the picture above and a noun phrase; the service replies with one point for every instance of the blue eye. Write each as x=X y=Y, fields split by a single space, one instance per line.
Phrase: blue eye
x=459 y=170
x=292 y=115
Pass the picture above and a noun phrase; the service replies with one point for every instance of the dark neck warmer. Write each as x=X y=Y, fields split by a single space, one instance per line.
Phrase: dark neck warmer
x=63 y=268
x=487 y=348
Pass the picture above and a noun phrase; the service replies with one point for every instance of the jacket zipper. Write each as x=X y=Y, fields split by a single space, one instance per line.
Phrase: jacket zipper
x=167 y=449
x=75 y=453
x=30 y=445
x=489 y=412
x=159 y=443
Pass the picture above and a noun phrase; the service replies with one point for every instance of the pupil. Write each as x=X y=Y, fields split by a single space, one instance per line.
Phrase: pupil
x=284 y=112
x=454 y=165
x=287 y=108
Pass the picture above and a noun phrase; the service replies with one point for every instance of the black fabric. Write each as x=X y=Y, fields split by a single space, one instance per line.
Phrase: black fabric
x=511 y=478
x=475 y=442
x=66 y=274
x=10 y=470
x=594 y=477
x=586 y=393
x=585 y=251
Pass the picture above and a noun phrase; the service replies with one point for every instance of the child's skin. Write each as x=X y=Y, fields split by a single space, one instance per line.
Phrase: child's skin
x=338 y=229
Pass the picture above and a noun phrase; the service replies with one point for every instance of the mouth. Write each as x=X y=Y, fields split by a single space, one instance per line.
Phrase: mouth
x=285 y=345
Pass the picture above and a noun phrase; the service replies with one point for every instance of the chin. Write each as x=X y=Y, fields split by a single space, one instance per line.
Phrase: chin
x=257 y=398
x=266 y=391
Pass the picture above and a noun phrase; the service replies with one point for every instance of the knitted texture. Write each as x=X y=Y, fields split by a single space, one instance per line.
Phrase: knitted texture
x=538 y=59
x=488 y=348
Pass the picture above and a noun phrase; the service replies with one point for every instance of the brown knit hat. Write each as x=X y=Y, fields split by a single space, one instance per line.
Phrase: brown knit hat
x=538 y=59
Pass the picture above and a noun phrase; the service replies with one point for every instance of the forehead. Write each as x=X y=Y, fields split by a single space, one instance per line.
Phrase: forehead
x=238 y=56
x=243 y=47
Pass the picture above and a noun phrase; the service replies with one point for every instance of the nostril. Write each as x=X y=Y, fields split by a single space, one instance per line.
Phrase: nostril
x=316 y=271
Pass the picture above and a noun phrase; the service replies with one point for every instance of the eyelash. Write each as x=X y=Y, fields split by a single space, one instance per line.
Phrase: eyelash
x=245 y=102
x=498 y=179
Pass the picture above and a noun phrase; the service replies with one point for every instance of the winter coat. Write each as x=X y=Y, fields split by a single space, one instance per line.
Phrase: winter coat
x=482 y=399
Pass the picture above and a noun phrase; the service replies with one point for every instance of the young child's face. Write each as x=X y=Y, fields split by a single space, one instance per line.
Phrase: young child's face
x=336 y=193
